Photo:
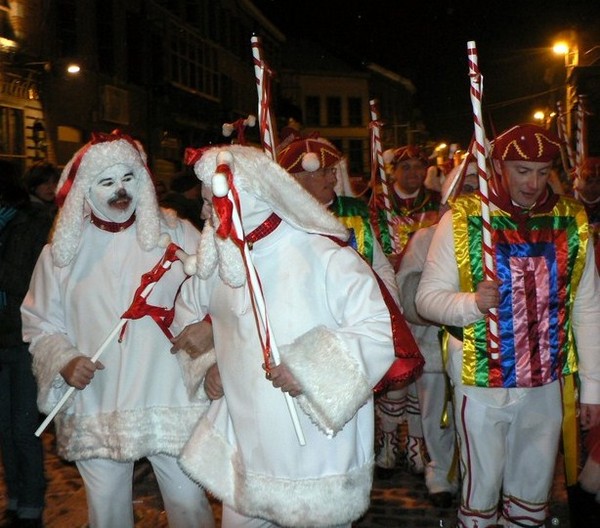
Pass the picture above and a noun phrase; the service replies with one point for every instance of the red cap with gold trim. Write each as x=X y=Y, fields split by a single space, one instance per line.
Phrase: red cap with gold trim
x=308 y=155
x=526 y=143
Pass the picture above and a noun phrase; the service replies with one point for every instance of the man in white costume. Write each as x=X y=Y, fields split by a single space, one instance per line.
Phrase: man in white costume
x=508 y=410
x=134 y=402
x=335 y=333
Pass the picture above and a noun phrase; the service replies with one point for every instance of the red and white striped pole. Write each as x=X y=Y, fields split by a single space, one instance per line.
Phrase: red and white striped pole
x=562 y=133
x=377 y=167
x=488 y=258
x=263 y=85
x=580 y=138
x=223 y=190
x=580 y=146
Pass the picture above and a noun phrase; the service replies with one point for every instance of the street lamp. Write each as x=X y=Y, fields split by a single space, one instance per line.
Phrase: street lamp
x=570 y=49
x=73 y=68
x=544 y=117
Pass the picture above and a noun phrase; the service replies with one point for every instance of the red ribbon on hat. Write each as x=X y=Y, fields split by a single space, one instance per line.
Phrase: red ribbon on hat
x=97 y=137
x=192 y=155
x=223 y=207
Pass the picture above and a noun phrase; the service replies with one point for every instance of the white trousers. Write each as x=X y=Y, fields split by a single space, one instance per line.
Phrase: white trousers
x=508 y=445
x=440 y=442
x=398 y=406
x=109 y=492
x=233 y=519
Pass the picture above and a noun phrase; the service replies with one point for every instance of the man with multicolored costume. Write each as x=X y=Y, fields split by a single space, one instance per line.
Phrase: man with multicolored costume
x=413 y=206
x=508 y=404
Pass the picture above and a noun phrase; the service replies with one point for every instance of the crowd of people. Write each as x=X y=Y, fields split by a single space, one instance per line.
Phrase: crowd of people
x=261 y=333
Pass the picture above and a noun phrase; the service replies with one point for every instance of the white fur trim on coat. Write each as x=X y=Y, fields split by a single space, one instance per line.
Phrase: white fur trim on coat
x=318 y=502
x=194 y=371
x=207 y=459
x=333 y=384
x=51 y=353
x=133 y=433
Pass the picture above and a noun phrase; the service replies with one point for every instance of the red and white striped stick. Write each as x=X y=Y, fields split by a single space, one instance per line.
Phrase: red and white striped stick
x=580 y=145
x=377 y=167
x=222 y=189
x=263 y=85
x=562 y=133
x=488 y=259
x=580 y=138
x=459 y=175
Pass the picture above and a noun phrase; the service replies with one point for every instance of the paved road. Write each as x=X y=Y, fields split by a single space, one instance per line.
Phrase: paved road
x=398 y=502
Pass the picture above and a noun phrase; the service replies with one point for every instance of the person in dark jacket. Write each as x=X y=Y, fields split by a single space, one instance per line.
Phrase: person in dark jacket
x=24 y=228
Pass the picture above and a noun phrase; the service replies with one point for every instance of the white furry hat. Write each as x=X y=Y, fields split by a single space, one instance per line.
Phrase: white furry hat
x=264 y=188
x=102 y=152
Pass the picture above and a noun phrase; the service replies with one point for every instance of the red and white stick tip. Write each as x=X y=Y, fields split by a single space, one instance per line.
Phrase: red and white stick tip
x=224 y=157
x=228 y=129
x=164 y=240
x=220 y=186
x=190 y=262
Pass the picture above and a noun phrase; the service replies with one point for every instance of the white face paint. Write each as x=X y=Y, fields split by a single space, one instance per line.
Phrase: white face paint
x=113 y=195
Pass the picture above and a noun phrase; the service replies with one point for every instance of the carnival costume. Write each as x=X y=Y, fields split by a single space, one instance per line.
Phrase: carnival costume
x=335 y=333
x=84 y=282
x=408 y=214
x=508 y=409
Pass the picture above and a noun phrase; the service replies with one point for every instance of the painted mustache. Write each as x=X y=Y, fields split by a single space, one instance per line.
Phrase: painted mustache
x=120 y=196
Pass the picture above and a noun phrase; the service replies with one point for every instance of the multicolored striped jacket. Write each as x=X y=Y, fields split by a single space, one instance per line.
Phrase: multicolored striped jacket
x=538 y=264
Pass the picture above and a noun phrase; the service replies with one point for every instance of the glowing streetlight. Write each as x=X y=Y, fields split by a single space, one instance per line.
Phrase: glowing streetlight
x=73 y=68
x=570 y=50
x=560 y=48
x=544 y=117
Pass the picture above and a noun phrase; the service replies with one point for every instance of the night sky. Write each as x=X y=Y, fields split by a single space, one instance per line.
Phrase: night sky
x=427 y=42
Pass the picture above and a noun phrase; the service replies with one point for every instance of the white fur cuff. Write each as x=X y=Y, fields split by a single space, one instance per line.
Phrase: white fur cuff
x=51 y=353
x=333 y=384
x=194 y=371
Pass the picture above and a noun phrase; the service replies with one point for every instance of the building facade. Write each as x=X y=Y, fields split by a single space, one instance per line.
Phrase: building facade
x=167 y=72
